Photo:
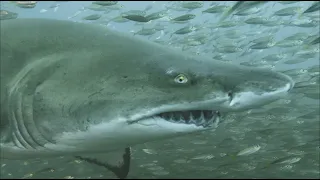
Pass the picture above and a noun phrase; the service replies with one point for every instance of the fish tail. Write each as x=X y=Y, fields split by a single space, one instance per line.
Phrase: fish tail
x=225 y=14
x=300 y=14
x=232 y=156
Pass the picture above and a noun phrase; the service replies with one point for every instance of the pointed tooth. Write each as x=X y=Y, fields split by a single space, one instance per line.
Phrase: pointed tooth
x=180 y=117
x=171 y=116
x=216 y=121
x=186 y=117
x=191 y=116
x=202 y=116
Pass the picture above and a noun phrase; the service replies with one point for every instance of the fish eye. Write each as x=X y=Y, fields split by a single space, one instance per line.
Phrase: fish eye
x=181 y=78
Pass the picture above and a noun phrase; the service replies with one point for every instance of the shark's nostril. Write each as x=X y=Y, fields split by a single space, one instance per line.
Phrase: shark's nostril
x=230 y=94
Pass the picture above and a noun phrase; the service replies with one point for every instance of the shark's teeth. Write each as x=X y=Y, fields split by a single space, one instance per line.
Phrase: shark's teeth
x=204 y=118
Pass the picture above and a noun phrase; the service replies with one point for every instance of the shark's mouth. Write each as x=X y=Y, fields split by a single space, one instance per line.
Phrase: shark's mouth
x=204 y=118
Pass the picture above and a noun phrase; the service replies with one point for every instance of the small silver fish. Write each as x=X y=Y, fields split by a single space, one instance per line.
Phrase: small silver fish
x=249 y=150
x=287 y=160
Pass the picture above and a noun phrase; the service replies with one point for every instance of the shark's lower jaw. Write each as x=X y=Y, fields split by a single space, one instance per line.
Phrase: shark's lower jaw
x=201 y=118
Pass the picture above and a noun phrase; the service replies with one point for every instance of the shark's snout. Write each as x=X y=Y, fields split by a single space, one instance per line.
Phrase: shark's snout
x=259 y=88
x=287 y=79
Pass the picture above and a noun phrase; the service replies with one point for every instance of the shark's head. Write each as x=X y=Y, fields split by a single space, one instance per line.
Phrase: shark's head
x=155 y=93
x=105 y=91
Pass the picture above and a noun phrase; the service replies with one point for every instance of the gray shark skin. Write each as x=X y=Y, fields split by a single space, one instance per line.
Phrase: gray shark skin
x=73 y=89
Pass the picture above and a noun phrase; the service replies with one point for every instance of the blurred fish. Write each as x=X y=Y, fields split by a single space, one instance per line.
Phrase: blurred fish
x=288 y=43
x=246 y=12
x=234 y=34
x=149 y=151
x=257 y=20
x=297 y=36
x=247 y=52
x=26 y=4
x=241 y=5
x=6 y=15
x=310 y=38
x=44 y=170
x=287 y=160
x=219 y=56
x=115 y=7
x=136 y=18
x=55 y=7
x=237 y=5
x=275 y=57
x=228 y=24
x=248 y=151
x=105 y=3
x=185 y=30
x=295 y=72
x=289 y=11
x=185 y=17
x=156 y=15
x=216 y=9
x=296 y=61
x=192 y=5
x=146 y=32
x=263 y=45
x=228 y=49
x=77 y=13
x=96 y=7
x=288 y=2
x=92 y=17
x=174 y=7
x=307 y=52
x=118 y=19
x=28 y=175
x=134 y=12
x=302 y=23
x=264 y=39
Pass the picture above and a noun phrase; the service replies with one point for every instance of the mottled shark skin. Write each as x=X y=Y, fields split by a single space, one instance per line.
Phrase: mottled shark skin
x=75 y=89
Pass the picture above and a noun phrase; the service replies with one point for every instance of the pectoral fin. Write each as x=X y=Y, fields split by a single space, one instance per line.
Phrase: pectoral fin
x=111 y=161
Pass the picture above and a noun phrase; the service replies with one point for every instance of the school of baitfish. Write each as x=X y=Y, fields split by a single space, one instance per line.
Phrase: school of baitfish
x=281 y=140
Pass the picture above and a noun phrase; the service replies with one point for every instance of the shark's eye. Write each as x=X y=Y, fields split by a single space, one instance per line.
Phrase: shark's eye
x=181 y=78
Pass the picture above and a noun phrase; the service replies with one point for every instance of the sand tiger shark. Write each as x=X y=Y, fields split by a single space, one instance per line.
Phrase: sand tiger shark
x=81 y=90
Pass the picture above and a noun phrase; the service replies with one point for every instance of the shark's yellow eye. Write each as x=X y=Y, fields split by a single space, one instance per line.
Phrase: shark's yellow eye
x=181 y=78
